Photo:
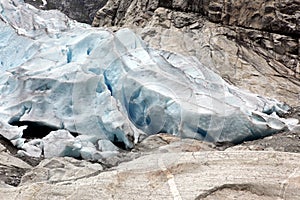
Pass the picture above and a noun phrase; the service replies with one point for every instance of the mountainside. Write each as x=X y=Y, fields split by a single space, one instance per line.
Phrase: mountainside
x=80 y=10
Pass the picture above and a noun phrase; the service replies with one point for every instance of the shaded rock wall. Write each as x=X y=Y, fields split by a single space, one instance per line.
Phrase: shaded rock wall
x=273 y=25
x=272 y=16
x=80 y=10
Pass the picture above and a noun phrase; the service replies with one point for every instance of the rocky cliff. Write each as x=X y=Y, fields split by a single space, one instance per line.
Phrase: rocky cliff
x=80 y=10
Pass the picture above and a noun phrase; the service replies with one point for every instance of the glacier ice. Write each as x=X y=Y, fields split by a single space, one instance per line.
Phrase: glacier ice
x=94 y=87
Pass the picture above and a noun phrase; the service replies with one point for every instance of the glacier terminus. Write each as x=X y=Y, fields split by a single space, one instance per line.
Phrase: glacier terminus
x=86 y=92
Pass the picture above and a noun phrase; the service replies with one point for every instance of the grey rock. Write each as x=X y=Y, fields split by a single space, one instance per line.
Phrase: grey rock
x=61 y=169
x=169 y=143
x=6 y=159
x=275 y=16
x=2 y=148
x=11 y=169
x=80 y=10
x=191 y=175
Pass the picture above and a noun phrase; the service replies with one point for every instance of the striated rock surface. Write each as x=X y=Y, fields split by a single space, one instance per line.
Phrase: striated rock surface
x=192 y=175
x=254 y=45
x=60 y=169
x=272 y=16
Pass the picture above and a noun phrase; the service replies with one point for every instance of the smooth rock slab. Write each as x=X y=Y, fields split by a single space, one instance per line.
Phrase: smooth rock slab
x=60 y=168
x=267 y=175
x=11 y=169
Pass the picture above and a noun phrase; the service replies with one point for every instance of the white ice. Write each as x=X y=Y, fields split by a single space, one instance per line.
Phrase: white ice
x=94 y=87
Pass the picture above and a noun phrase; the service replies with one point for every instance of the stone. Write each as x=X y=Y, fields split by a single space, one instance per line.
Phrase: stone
x=190 y=175
x=2 y=148
x=10 y=161
x=286 y=141
x=11 y=170
x=80 y=10
x=61 y=169
x=168 y=143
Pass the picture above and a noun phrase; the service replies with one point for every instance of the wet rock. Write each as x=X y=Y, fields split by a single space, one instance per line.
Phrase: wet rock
x=275 y=16
x=286 y=141
x=80 y=10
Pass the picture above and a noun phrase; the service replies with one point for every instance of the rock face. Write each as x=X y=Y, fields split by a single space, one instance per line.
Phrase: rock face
x=80 y=10
x=11 y=168
x=251 y=44
x=272 y=16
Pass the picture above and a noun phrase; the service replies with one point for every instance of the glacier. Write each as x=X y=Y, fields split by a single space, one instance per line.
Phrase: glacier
x=87 y=92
